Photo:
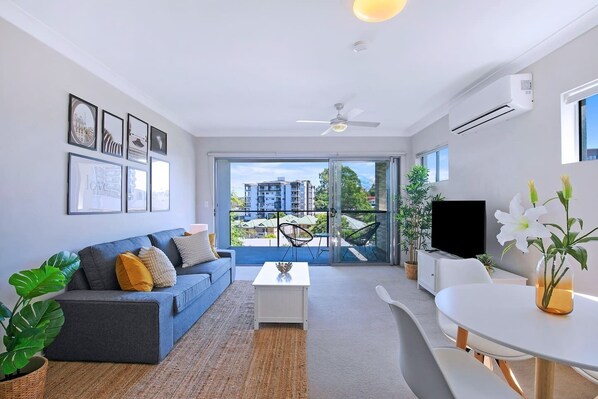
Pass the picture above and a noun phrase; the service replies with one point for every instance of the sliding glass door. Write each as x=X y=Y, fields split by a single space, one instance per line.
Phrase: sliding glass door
x=340 y=209
x=360 y=211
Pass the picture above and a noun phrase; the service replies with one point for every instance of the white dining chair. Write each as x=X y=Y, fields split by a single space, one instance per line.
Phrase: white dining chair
x=590 y=375
x=453 y=272
x=433 y=373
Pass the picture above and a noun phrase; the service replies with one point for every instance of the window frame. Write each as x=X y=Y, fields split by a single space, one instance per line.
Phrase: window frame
x=436 y=152
x=573 y=122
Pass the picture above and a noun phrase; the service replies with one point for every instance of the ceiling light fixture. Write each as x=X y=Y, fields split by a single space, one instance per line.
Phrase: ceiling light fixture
x=377 y=10
x=339 y=127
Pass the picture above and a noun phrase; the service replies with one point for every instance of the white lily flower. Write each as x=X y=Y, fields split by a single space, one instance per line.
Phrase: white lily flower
x=520 y=224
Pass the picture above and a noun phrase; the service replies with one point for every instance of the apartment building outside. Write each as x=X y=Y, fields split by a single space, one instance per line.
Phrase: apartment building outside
x=264 y=199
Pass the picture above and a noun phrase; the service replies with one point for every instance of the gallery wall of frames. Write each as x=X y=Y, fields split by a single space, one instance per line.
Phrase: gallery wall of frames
x=138 y=182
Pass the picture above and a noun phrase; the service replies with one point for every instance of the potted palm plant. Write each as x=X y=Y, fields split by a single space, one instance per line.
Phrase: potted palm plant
x=414 y=216
x=31 y=326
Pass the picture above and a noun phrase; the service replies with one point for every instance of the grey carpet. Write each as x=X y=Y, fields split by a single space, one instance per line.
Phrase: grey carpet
x=352 y=348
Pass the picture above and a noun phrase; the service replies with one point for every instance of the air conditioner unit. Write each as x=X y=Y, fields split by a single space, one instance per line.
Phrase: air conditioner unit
x=503 y=99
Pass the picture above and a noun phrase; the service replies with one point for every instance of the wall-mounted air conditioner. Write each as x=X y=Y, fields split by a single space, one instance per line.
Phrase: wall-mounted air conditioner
x=503 y=99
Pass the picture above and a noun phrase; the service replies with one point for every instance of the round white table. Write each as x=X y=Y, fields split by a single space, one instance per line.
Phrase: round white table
x=507 y=314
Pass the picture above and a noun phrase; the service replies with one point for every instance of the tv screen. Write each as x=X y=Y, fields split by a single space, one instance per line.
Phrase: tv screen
x=459 y=227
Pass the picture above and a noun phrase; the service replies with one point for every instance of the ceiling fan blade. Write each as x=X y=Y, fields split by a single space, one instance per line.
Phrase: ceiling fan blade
x=364 y=124
x=304 y=121
x=354 y=113
x=326 y=131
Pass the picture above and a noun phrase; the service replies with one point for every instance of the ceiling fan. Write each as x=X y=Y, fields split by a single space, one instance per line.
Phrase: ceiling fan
x=340 y=123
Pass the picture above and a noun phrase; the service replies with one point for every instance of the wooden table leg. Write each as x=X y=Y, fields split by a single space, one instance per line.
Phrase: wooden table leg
x=544 y=379
x=462 y=338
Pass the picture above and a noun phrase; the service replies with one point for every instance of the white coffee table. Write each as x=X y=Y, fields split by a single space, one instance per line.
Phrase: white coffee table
x=281 y=298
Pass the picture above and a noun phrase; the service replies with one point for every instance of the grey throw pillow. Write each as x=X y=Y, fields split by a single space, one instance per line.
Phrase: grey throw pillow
x=195 y=248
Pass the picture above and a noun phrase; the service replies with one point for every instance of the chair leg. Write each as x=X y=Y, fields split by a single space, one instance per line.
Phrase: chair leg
x=509 y=376
x=344 y=253
x=479 y=357
x=285 y=254
x=311 y=253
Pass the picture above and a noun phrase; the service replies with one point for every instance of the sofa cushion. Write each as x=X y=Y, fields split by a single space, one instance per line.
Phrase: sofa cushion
x=99 y=261
x=195 y=248
x=163 y=240
x=132 y=274
x=187 y=289
x=212 y=239
x=159 y=266
x=215 y=268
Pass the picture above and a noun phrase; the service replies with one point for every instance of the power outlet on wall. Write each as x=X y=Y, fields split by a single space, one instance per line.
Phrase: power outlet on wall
x=206 y=204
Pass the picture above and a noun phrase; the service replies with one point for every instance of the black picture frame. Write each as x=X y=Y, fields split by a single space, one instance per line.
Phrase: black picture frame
x=83 y=123
x=94 y=186
x=137 y=194
x=113 y=131
x=137 y=134
x=159 y=185
x=158 y=141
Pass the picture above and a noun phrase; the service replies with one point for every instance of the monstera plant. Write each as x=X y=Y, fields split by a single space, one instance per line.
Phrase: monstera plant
x=32 y=325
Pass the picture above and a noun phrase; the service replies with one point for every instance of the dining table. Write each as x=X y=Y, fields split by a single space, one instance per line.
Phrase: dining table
x=508 y=315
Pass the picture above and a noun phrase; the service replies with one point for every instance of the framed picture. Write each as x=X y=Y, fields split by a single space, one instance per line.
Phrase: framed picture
x=158 y=141
x=160 y=185
x=83 y=122
x=94 y=186
x=137 y=141
x=112 y=134
x=136 y=190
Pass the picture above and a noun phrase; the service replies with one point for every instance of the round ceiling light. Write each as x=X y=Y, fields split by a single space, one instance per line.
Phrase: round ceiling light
x=339 y=127
x=377 y=10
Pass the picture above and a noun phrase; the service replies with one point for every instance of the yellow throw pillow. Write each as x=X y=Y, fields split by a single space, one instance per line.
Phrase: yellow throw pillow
x=132 y=274
x=212 y=237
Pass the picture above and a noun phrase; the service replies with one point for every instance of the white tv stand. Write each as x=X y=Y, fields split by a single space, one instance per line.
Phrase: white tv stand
x=427 y=271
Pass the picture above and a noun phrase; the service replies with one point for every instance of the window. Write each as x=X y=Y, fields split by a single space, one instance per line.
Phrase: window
x=579 y=123
x=437 y=164
x=588 y=128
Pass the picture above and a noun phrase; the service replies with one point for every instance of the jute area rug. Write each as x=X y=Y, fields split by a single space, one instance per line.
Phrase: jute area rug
x=221 y=356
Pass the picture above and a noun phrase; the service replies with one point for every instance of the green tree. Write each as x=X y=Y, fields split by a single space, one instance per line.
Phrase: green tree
x=321 y=225
x=353 y=196
x=237 y=233
x=372 y=190
x=236 y=202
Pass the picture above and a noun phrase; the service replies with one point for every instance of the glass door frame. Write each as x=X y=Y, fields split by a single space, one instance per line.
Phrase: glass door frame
x=334 y=212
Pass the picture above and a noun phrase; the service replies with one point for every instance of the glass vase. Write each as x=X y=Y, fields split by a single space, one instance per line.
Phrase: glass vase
x=554 y=285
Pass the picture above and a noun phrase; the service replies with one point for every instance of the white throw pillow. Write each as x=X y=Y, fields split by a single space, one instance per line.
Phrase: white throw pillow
x=159 y=266
x=195 y=248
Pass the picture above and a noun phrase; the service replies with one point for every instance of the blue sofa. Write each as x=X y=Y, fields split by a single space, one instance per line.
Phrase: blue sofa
x=105 y=324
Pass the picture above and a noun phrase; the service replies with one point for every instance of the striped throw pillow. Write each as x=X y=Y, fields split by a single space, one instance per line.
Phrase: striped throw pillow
x=159 y=266
x=195 y=248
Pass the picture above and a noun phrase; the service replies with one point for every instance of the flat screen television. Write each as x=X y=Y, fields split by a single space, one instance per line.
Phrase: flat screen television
x=459 y=227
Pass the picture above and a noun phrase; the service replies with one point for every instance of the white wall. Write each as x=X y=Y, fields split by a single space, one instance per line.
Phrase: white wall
x=496 y=162
x=322 y=146
x=35 y=82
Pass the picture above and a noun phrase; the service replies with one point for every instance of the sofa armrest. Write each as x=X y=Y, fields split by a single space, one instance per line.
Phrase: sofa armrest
x=229 y=253
x=114 y=326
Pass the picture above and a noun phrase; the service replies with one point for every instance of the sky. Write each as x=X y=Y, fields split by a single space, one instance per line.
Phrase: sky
x=592 y=121
x=256 y=172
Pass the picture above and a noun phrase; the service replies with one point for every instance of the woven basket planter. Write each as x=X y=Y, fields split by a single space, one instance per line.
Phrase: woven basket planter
x=411 y=270
x=29 y=386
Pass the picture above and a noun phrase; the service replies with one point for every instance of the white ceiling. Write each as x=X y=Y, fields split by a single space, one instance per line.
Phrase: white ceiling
x=251 y=68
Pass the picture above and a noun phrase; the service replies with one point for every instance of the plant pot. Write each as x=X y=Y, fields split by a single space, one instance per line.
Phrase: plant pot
x=411 y=270
x=28 y=386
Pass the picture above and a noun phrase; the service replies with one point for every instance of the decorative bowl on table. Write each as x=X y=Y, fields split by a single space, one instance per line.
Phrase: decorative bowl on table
x=284 y=267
